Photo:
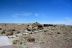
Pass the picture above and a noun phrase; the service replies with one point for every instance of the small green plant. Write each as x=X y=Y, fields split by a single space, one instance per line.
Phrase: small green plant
x=15 y=41
x=3 y=32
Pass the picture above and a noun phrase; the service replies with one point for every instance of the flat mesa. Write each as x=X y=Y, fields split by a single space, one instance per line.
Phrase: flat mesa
x=5 y=42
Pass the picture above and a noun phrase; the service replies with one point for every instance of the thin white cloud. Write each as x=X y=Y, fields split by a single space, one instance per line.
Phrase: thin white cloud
x=26 y=14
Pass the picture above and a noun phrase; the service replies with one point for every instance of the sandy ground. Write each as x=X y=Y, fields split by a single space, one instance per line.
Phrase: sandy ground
x=49 y=37
x=9 y=46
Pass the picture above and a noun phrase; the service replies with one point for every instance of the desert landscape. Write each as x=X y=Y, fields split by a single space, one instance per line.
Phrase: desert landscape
x=35 y=23
x=36 y=35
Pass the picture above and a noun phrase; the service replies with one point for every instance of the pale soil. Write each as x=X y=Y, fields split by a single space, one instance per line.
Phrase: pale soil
x=9 y=46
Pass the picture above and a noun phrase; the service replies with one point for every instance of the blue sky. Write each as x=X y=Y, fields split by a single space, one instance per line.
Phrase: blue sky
x=43 y=11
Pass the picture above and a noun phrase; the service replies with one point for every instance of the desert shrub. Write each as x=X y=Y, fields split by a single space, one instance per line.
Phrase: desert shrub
x=58 y=32
x=20 y=43
x=33 y=29
x=46 y=25
x=31 y=39
x=13 y=30
x=45 y=30
x=40 y=27
x=17 y=32
x=0 y=28
x=28 y=29
x=3 y=32
x=9 y=33
x=15 y=41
